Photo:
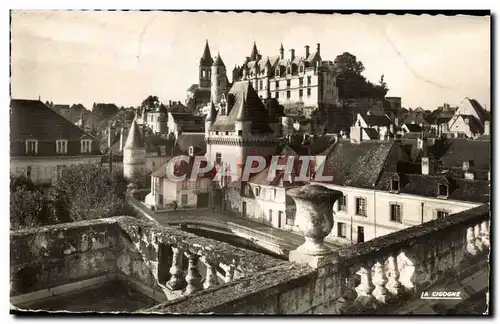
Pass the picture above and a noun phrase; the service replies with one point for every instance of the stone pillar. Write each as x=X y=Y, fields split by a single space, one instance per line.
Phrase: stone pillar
x=211 y=276
x=314 y=218
x=193 y=277
x=177 y=279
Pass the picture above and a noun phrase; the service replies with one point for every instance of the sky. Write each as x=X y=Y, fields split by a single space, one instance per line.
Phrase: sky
x=122 y=57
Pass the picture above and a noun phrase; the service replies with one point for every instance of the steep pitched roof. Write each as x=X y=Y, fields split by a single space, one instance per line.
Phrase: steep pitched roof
x=206 y=58
x=246 y=100
x=413 y=128
x=356 y=164
x=135 y=139
x=458 y=150
x=196 y=140
x=218 y=61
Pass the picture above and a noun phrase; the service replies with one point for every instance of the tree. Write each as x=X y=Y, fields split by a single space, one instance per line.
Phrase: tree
x=150 y=102
x=27 y=208
x=346 y=63
x=87 y=191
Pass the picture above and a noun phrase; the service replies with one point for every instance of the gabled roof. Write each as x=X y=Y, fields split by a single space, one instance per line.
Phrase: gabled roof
x=218 y=61
x=376 y=120
x=196 y=140
x=356 y=164
x=135 y=139
x=248 y=101
x=458 y=150
x=371 y=133
x=413 y=128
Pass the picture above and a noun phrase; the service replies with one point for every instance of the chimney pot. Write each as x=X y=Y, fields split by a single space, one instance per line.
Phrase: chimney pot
x=318 y=47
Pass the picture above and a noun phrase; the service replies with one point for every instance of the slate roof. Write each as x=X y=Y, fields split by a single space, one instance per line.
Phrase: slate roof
x=183 y=168
x=376 y=120
x=247 y=100
x=206 y=58
x=427 y=186
x=371 y=133
x=356 y=164
x=135 y=139
x=32 y=119
x=413 y=128
x=484 y=138
x=458 y=150
x=197 y=140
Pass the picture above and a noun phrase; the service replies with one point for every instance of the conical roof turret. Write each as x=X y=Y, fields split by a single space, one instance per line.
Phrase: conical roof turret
x=212 y=113
x=135 y=139
x=218 y=61
x=253 y=55
x=242 y=115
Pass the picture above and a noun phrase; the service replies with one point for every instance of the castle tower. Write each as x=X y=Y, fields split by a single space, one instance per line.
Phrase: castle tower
x=209 y=120
x=206 y=62
x=254 y=53
x=134 y=153
x=219 y=84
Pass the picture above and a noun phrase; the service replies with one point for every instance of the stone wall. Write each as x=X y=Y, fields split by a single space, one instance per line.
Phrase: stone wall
x=56 y=255
x=373 y=277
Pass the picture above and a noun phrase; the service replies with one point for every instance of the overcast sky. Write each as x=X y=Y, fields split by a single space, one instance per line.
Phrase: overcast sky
x=122 y=57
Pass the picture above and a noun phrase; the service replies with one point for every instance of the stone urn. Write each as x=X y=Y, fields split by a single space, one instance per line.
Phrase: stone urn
x=314 y=216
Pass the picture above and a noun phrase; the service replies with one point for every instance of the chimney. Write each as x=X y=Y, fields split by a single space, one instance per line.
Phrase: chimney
x=307 y=51
x=425 y=165
x=247 y=59
x=355 y=134
x=191 y=151
x=122 y=138
x=170 y=103
x=292 y=54
x=487 y=128
x=318 y=46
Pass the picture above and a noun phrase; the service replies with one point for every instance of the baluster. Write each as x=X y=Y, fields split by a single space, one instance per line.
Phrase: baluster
x=177 y=274
x=211 y=276
x=229 y=273
x=379 y=280
x=485 y=234
x=471 y=241
x=393 y=284
x=193 y=277
x=366 y=287
x=477 y=235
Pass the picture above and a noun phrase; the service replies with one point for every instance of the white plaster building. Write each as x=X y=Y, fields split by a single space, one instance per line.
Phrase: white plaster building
x=43 y=143
x=470 y=120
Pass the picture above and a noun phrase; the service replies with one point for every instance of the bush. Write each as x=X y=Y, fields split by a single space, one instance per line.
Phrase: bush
x=27 y=208
x=87 y=191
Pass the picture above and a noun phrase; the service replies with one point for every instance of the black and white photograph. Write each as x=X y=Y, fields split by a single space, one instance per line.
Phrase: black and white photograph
x=168 y=162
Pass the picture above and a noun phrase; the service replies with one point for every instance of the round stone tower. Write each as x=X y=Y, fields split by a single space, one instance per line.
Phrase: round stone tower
x=134 y=154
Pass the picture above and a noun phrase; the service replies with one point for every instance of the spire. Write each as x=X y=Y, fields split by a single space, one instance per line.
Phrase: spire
x=253 y=55
x=218 y=61
x=282 y=52
x=212 y=113
x=242 y=116
x=206 y=59
x=134 y=138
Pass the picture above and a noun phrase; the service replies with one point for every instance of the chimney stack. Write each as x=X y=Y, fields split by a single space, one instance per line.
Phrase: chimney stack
x=292 y=54
x=487 y=128
x=355 y=134
x=318 y=47
x=307 y=51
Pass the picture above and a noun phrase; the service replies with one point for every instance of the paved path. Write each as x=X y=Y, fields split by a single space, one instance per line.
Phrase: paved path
x=287 y=240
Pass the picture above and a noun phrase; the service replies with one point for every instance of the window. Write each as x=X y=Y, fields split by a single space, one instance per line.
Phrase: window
x=202 y=73
x=395 y=185
x=277 y=94
x=247 y=190
x=184 y=199
x=257 y=191
x=278 y=72
x=185 y=184
x=290 y=220
x=308 y=80
x=361 y=206
x=31 y=146
x=227 y=133
x=271 y=193
x=28 y=171
x=270 y=215
x=308 y=92
x=301 y=81
x=86 y=146
x=217 y=70
x=396 y=213
x=62 y=146
x=301 y=69
x=341 y=230
x=59 y=170
x=260 y=84
x=280 y=215
x=301 y=93
x=218 y=158
x=443 y=190
x=288 y=82
x=240 y=133
x=288 y=94
x=277 y=84
x=442 y=213
x=160 y=200
x=343 y=204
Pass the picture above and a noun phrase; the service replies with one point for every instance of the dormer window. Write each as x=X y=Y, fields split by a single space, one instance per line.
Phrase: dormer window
x=31 y=146
x=62 y=146
x=395 y=185
x=257 y=191
x=86 y=146
x=443 y=190
x=218 y=158
x=278 y=72
x=301 y=69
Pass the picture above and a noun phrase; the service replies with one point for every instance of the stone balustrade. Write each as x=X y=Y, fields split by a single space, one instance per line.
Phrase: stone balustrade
x=378 y=276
